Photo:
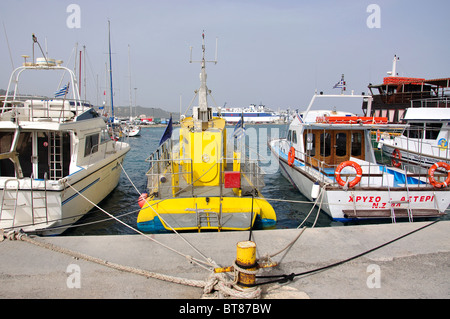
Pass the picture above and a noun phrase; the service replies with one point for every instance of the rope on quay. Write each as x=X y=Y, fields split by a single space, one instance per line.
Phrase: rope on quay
x=215 y=282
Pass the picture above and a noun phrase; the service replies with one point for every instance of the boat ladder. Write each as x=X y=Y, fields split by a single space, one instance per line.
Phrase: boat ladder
x=206 y=217
x=42 y=200
x=392 y=203
x=9 y=198
x=55 y=156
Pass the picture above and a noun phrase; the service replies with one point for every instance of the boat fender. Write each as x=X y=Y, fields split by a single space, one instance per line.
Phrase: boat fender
x=142 y=199
x=162 y=179
x=315 y=190
x=431 y=171
x=291 y=156
x=396 y=156
x=355 y=181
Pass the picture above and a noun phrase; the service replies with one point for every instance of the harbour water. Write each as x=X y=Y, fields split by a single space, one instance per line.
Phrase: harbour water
x=291 y=207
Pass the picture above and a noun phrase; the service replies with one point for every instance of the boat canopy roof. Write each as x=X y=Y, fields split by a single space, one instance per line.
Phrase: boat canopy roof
x=427 y=114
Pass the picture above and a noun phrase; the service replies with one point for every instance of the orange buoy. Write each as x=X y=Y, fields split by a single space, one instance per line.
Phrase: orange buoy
x=142 y=199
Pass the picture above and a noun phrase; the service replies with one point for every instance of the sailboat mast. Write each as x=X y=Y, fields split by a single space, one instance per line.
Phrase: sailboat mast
x=110 y=69
x=129 y=78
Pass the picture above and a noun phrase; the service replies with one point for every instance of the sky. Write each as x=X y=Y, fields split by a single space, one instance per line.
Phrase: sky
x=277 y=53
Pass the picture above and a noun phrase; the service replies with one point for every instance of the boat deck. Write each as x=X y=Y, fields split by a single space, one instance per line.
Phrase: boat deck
x=165 y=189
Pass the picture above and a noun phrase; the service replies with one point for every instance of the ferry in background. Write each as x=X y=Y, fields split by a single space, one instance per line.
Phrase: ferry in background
x=396 y=94
x=252 y=114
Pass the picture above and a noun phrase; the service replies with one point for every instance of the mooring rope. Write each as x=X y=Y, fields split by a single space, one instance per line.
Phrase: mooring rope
x=215 y=282
x=199 y=262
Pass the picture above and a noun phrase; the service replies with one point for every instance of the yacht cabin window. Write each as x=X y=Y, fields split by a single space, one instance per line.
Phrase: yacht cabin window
x=91 y=144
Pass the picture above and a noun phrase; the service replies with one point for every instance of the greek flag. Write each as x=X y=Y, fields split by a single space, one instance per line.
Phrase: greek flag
x=339 y=85
x=62 y=91
x=239 y=129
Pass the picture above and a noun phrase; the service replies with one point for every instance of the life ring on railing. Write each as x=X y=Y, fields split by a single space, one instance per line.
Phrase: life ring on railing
x=291 y=156
x=396 y=156
x=142 y=199
x=353 y=182
x=431 y=171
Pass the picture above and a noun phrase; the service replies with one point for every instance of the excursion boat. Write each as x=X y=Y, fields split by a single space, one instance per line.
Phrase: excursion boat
x=395 y=95
x=423 y=143
x=252 y=115
x=56 y=157
x=329 y=157
x=203 y=182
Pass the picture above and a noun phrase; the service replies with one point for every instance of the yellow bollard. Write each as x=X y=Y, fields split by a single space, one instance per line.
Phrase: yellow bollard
x=246 y=259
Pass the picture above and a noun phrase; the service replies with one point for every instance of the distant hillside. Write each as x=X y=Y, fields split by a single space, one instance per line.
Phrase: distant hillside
x=139 y=111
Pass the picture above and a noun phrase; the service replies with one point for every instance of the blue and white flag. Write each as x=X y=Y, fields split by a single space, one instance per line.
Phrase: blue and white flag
x=339 y=85
x=62 y=91
x=239 y=129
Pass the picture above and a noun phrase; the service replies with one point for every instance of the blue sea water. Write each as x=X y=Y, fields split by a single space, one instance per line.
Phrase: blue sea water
x=122 y=202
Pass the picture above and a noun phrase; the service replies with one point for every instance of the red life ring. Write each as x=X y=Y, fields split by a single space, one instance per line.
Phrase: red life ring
x=396 y=156
x=431 y=171
x=291 y=156
x=142 y=199
x=353 y=182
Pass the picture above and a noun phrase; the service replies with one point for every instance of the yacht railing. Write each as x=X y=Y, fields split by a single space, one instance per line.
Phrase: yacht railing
x=443 y=102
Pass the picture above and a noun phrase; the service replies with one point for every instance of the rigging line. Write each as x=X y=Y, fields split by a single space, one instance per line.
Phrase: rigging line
x=211 y=262
x=285 y=278
x=138 y=231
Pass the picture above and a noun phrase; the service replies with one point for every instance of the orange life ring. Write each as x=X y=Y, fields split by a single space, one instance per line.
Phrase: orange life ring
x=396 y=156
x=291 y=156
x=353 y=182
x=431 y=171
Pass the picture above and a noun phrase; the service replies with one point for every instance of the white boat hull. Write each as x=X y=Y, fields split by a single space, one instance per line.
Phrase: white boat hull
x=65 y=206
x=366 y=202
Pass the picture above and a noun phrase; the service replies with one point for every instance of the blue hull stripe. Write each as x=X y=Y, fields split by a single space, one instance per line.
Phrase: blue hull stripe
x=81 y=191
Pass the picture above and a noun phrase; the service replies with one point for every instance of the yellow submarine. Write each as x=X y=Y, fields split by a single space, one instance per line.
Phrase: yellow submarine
x=205 y=181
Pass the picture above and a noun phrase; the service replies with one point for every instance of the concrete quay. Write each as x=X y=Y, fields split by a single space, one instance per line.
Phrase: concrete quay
x=416 y=266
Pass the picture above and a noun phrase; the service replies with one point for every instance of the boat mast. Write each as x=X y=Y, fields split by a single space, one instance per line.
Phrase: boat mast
x=129 y=78
x=204 y=112
x=110 y=70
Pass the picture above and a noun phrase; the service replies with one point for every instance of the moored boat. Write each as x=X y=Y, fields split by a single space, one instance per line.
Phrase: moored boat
x=57 y=159
x=203 y=182
x=329 y=157
x=423 y=142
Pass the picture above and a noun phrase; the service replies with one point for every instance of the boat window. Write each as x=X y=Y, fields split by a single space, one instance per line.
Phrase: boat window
x=432 y=130
x=310 y=143
x=356 y=144
x=289 y=135
x=91 y=144
x=294 y=137
x=341 y=144
x=104 y=136
x=325 y=144
x=415 y=131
